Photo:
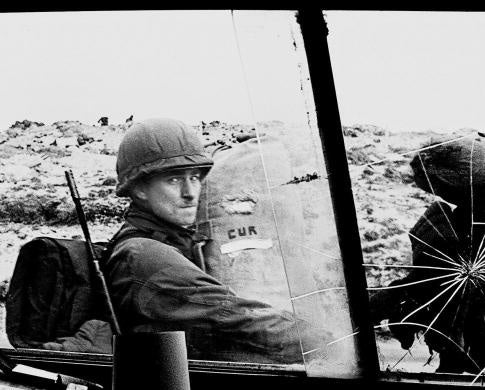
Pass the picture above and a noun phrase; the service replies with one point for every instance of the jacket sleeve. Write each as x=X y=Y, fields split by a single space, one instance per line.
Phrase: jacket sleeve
x=155 y=287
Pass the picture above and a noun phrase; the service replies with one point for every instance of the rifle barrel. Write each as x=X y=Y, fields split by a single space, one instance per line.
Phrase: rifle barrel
x=89 y=245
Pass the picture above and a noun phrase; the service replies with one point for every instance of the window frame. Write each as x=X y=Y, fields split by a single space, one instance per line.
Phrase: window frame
x=220 y=374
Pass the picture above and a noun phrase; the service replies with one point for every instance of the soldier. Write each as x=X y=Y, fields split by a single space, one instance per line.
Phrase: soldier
x=155 y=273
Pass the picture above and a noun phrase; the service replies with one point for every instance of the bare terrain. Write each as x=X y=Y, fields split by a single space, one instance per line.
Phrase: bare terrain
x=34 y=199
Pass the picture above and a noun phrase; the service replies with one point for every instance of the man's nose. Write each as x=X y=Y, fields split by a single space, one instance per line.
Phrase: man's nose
x=189 y=189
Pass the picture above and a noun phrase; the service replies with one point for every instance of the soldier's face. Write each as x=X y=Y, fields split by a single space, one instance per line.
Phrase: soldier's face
x=172 y=196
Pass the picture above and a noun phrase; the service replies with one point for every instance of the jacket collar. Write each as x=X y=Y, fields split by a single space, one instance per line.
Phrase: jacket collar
x=146 y=221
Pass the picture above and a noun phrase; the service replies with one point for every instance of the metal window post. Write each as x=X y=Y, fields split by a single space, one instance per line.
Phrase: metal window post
x=314 y=32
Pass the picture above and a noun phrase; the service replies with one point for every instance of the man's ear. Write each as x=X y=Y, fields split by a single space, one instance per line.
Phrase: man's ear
x=138 y=193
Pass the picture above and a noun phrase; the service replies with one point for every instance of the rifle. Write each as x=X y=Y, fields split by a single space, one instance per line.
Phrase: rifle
x=90 y=248
x=20 y=373
x=46 y=379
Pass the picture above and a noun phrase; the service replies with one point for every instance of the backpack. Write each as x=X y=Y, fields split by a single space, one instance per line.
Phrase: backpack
x=52 y=295
x=54 y=300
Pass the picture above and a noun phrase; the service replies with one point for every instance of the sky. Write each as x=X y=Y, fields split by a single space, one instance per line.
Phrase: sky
x=409 y=70
x=199 y=65
x=397 y=70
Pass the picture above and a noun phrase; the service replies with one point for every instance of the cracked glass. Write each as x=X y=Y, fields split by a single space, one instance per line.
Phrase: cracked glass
x=266 y=283
x=418 y=186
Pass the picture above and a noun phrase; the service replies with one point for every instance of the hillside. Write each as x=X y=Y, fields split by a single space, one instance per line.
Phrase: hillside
x=35 y=201
x=34 y=198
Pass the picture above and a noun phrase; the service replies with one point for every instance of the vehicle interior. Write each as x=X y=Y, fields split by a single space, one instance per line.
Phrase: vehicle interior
x=317 y=217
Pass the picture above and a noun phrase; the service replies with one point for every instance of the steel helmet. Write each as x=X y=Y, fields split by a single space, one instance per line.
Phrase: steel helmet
x=158 y=145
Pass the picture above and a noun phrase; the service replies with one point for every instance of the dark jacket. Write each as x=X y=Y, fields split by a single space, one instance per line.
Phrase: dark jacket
x=157 y=283
x=442 y=240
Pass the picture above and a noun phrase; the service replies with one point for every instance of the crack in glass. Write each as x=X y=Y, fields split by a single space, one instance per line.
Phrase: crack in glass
x=450 y=269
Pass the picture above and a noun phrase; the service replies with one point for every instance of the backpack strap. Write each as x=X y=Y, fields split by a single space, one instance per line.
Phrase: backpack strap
x=128 y=231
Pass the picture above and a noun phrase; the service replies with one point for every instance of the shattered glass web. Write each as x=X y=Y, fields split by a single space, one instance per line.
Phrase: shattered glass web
x=321 y=302
x=465 y=271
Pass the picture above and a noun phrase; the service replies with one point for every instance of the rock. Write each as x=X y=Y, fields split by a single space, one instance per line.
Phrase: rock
x=12 y=132
x=359 y=156
x=107 y=151
x=244 y=137
x=109 y=181
x=83 y=139
x=25 y=124
x=392 y=174
x=80 y=141
x=64 y=125
x=350 y=132
x=371 y=235
x=407 y=175
x=48 y=140
x=103 y=121
x=305 y=178
x=66 y=142
x=356 y=130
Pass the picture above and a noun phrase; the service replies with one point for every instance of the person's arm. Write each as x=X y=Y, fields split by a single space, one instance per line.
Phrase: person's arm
x=152 y=283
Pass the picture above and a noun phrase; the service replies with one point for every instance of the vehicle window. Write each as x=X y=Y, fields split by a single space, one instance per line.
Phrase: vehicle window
x=408 y=85
x=270 y=288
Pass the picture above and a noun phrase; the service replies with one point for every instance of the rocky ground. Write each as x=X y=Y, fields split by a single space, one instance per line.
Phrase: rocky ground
x=34 y=197
x=35 y=201
x=388 y=202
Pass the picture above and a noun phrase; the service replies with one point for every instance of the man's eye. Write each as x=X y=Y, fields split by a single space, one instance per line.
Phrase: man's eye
x=174 y=180
x=195 y=177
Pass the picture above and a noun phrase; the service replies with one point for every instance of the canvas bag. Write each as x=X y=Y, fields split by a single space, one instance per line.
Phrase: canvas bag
x=52 y=296
x=255 y=226
x=452 y=169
